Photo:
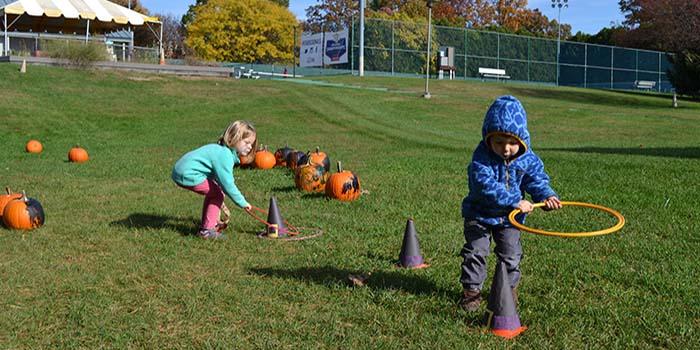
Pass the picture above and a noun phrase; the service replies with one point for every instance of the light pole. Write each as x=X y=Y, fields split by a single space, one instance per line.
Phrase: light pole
x=362 y=38
x=559 y=4
x=426 y=94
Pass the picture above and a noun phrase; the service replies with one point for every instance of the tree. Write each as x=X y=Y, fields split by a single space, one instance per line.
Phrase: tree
x=666 y=25
x=331 y=15
x=685 y=73
x=242 y=31
x=173 y=38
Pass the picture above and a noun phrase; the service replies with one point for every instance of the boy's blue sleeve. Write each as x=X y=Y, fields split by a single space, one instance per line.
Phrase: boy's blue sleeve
x=536 y=181
x=483 y=181
x=223 y=170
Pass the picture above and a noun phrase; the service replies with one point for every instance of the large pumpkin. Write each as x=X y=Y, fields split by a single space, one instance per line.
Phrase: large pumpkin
x=264 y=159
x=281 y=155
x=23 y=214
x=78 y=154
x=320 y=158
x=343 y=185
x=311 y=177
x=6 y=198
x=34 y=146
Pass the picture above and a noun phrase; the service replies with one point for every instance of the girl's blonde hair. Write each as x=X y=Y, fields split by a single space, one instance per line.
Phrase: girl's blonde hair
x=236 y=131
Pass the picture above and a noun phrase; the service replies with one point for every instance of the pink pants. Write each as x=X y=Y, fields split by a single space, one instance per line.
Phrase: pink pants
x=213 y=200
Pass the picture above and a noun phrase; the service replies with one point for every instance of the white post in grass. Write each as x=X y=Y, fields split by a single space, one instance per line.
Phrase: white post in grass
x=426 y=94
x=362 y=38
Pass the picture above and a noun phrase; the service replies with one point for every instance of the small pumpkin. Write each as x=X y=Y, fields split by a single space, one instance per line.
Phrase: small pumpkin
x=264 y=159
x=294 y=159
x=23 y=214
x=320 y=158
x=343 y=185
x=311 y=177
x=6 y=198
x=78 y=154
x=281 y=155
x=34 y=146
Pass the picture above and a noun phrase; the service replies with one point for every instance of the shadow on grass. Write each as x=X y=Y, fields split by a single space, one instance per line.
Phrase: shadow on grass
x=379 y=280
x=284 y=189
x=670 y=152
x=613 y=98
x=153 y=221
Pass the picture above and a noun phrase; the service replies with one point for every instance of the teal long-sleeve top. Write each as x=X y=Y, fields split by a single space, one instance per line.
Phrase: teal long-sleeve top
x=212 y=161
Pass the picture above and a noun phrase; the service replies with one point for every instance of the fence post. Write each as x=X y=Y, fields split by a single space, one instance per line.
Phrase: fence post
x=465 y=53
x=612 y=67
x=585 y=65
x=392 y=47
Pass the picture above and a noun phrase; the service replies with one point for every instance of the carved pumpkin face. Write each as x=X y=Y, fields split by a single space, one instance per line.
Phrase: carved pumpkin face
x=23 y=214
x=264 y=159
x=343 y=185
x=281 y=155
x=7 y=198
x=34 y=146
x=311 y=177
x=78 y=155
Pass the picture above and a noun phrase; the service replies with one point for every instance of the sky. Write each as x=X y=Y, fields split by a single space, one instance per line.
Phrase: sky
x=588 y=16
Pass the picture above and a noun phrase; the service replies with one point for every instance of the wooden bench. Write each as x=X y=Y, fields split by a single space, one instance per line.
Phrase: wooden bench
x=644 y=84
x=493 y=73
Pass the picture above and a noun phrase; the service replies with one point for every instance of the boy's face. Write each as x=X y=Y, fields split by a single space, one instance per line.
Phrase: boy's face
x=505 y=146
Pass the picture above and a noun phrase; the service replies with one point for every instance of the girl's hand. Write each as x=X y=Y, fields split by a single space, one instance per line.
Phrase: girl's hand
x=525 y=206
x=248 y=207
x=552 y=203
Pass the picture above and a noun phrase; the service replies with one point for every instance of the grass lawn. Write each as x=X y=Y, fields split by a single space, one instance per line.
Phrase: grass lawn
x=115 y=265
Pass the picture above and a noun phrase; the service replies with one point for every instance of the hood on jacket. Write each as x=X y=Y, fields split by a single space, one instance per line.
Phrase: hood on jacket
x=507 y=116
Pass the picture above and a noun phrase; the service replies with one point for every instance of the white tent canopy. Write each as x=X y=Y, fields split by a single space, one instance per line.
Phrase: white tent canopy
x=102 y=10
x=64 y=14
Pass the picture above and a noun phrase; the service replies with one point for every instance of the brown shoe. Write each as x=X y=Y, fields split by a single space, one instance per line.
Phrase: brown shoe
x=470 y=300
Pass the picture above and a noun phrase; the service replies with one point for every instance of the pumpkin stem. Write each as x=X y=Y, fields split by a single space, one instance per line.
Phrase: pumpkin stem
x=7 y=189
x=318 y=150
x=24 y=196
x=340 y=167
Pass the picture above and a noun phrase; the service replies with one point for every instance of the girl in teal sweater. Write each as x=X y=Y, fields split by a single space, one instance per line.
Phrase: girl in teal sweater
x=208 y=170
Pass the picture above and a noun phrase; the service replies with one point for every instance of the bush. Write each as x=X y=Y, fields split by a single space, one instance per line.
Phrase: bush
x=685 y=73
x=79 y=54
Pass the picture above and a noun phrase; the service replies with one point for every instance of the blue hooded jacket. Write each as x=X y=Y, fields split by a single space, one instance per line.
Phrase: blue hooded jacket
x=496 y=186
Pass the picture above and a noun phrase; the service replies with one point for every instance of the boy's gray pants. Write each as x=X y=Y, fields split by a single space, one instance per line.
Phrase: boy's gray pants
x=477 y=248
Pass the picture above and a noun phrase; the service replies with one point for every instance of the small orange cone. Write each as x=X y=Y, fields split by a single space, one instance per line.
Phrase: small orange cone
x=410 y=256
x=501 y=314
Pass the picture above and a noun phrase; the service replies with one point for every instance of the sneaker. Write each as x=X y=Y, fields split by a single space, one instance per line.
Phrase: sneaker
x=211 y=233
x=470 y=300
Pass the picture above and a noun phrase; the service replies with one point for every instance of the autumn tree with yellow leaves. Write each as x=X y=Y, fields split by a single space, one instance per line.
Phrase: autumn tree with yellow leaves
x=242 y=31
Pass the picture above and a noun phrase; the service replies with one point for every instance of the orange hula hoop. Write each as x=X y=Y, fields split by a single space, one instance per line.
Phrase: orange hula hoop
x=617 y=227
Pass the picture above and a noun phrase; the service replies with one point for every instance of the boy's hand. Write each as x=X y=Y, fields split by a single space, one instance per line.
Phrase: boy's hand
x=552 y=203
x=525 y=206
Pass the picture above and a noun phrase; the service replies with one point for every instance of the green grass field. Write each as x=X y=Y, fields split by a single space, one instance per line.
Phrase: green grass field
x=115 y=265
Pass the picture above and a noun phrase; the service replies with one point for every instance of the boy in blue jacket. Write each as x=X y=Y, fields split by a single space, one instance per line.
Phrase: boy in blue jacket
x=502 y=169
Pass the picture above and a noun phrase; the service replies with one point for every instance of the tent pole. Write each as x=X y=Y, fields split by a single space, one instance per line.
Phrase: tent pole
x=7 y=41
x=87 y=31
x=160 y=40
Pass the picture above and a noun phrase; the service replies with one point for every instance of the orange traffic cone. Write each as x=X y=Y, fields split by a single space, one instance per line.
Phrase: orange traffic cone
x=410 y=256
x=501 y=314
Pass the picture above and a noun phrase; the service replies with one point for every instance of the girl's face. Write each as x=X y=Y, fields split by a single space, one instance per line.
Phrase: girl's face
x=504 y=146
x=244 y=146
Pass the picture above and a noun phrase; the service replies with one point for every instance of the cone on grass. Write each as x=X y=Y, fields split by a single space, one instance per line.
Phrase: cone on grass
x=23 y=67
x=276 y=227
x=501 y=314
x=410 y=256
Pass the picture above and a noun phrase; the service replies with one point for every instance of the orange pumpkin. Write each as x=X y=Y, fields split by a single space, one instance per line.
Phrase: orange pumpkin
x=320 y=158
x=311 y=177
x=343 y=185
x=78 y=155
x=34 y=146
x=6 y=198
x=281 y=155
x=23 y=214
x=264 y=159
